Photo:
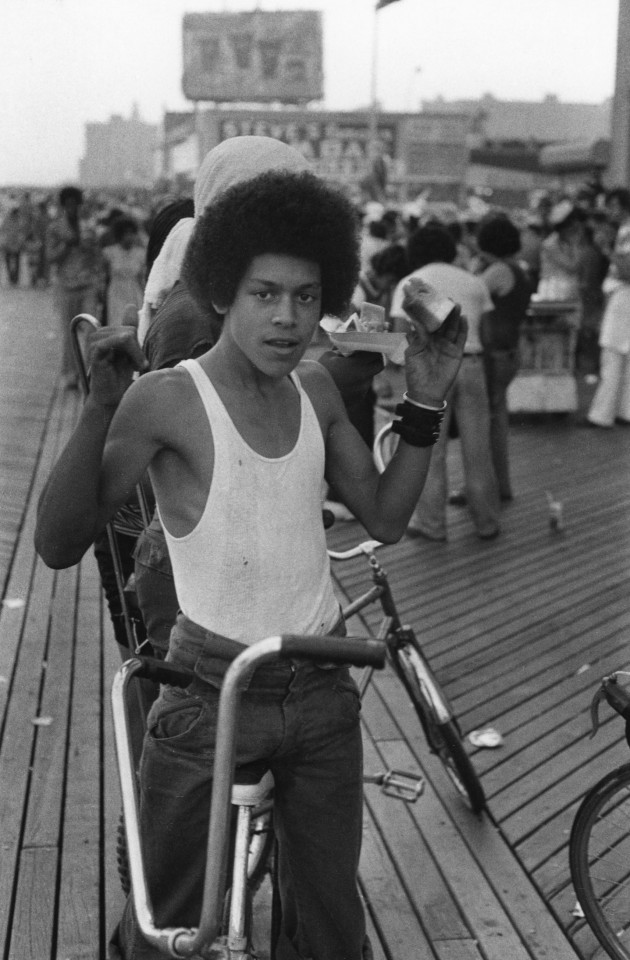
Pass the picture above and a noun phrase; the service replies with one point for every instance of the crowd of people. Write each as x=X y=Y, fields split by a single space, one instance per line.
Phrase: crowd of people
x=98 y=250
x=574 y=249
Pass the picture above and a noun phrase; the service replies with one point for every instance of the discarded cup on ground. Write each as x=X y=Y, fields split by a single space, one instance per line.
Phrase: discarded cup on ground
x=556 y=522
x=486 y=737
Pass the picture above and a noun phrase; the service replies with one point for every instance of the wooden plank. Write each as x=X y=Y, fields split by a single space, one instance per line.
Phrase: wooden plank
x=457 y=949
x=48 y=768
x=497 y=864
x=387 y=902
x=18 y=740
x=519 y=827
x=419 y=871
x=80 y=916
x=24 y=630
x=483 y=913
x=33 y=921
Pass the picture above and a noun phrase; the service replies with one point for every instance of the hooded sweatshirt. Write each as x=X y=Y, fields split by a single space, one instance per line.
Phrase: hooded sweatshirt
x=233 y=161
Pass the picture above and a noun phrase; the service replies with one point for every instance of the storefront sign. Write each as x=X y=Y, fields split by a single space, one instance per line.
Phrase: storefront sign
x=340 y=150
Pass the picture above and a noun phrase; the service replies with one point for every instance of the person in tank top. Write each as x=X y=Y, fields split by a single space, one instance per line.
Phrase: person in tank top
x=238 y=444
x=498 y=240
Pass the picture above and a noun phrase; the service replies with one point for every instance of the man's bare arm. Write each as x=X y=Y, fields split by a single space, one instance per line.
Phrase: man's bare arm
x=88 y=484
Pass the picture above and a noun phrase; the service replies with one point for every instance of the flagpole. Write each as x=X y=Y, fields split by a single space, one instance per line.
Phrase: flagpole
x=373 y=131
x=374 y=105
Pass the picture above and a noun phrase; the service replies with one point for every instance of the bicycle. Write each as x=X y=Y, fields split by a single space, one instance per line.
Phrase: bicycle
x=599 y=843
x=224 y=931
x=409 y=663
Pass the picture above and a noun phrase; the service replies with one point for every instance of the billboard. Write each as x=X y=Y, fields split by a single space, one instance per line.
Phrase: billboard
x=253 y=57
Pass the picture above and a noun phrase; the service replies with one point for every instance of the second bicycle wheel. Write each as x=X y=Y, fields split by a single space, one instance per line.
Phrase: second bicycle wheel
x=443 y=736
x=599 y=856
x=447 y=744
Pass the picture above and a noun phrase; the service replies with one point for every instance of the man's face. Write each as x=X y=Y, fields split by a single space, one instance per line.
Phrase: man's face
x=275 y=312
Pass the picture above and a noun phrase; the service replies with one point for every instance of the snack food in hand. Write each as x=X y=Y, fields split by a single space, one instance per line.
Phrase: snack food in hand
x=425 y=305
x=372 y=318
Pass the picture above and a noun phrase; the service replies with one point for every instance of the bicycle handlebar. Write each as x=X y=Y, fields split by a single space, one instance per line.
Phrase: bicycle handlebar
x=328 y=649
x=161 y=671
x=365 y=549
x=325 y=649
x=357 y=651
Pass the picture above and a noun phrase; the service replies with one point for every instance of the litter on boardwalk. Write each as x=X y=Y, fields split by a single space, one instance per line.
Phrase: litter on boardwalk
x=13 y=603
x=556 y=523
x=486 y=737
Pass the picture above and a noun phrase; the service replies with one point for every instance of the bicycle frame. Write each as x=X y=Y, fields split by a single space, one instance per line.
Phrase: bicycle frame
x=392 y=631
x=181 y=941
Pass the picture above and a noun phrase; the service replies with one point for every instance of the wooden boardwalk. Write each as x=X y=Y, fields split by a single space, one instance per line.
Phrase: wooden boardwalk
x=519 y=630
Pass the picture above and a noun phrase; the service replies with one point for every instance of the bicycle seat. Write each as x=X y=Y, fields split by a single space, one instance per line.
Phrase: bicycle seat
x=252 y=794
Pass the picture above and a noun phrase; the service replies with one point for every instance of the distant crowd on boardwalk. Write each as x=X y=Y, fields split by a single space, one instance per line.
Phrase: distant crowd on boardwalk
x=565 y=242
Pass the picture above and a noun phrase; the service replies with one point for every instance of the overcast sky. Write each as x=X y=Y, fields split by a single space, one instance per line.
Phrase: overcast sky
x=65 y=62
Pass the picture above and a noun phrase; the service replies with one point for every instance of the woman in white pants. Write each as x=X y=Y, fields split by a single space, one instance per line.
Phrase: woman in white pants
x=611 y=402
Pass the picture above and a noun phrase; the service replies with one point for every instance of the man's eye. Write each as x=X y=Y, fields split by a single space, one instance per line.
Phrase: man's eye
x=263 y=295
x=307 y=297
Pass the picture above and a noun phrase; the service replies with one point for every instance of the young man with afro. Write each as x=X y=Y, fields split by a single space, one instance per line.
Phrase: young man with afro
x=238 y=444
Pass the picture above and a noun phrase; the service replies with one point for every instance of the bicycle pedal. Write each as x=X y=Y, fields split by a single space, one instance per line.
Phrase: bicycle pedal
x=403 y=785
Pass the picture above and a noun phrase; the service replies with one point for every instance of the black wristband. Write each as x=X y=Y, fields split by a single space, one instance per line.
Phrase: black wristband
x=418 y=426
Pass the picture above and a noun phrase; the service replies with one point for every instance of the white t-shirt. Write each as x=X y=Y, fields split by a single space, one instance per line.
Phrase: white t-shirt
x=469 y=291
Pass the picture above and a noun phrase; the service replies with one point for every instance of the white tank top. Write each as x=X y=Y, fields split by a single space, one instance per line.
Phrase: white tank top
x=255 y=565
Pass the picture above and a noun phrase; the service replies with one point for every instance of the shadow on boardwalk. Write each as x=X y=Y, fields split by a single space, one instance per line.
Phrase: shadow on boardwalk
x=519 y=631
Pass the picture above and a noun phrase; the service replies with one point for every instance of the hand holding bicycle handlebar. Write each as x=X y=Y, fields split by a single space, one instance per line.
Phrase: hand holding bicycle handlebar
x=114 y=356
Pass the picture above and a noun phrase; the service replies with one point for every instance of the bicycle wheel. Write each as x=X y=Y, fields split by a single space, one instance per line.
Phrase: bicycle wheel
x=442 y=731
x=448 y=746
x=599 y=857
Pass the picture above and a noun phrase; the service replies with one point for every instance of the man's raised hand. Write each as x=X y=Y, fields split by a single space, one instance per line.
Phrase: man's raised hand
x=432 y=360
x=114 y=355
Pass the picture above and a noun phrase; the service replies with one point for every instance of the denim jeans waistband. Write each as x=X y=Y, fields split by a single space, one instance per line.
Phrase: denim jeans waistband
x=209 y=654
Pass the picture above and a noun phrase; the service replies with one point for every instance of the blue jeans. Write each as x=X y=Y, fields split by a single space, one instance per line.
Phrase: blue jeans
x=468 y=399
x=155 y=587
x=302 y=721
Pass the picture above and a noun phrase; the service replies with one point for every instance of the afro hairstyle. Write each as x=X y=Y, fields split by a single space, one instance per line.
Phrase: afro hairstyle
x=278 y=212
x=498 y=236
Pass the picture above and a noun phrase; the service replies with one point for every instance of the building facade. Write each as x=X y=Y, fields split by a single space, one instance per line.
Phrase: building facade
x=120 y=153
x=413 y=151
